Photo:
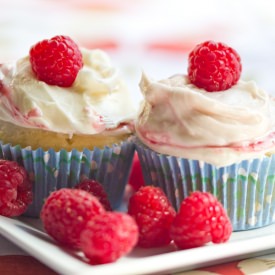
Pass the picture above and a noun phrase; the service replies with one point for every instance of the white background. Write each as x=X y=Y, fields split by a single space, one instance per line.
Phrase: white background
x=246 y=25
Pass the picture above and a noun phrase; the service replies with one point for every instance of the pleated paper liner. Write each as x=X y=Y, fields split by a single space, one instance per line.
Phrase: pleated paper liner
x=245 y=189
x=51 y=170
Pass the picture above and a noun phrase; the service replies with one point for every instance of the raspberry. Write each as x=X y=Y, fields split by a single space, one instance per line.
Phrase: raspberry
x=96 y=189
x=136 y=177
x=108 y=236
x=66 y=212
x=201 y=219
x=56 y=61
x=15 y=189
x=214 y=66
x=154 y=214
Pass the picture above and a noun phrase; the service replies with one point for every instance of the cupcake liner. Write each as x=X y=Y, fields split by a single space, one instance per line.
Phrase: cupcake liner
x=245 y=189
x=51 y=170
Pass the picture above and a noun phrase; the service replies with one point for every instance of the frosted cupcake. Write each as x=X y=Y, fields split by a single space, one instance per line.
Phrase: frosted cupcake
x=53 y=108
x=212 y=132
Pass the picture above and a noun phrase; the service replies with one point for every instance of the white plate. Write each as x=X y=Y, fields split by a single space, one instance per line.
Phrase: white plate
x=27 y=234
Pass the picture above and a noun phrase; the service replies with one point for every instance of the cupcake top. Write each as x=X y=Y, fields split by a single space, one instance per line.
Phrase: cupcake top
x=77 y=104
x=232 y=122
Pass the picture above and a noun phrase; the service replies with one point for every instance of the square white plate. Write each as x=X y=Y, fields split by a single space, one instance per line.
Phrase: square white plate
x=28 y=234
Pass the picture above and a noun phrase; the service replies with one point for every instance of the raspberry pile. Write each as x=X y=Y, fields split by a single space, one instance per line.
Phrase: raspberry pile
x=56 y=61
x=201 y=219
x=15 y=189
x=214 y=66
x=76 y=218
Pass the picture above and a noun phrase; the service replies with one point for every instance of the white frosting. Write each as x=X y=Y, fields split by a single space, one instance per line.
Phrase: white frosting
x=97 y=91
x=221 y=128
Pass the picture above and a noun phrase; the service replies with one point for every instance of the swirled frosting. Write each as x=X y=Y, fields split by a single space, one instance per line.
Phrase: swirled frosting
x=177 y=118
x=97 y=91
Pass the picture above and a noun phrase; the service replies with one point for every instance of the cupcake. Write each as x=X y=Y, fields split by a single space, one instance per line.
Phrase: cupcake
x=55 y=108
x=209 y=130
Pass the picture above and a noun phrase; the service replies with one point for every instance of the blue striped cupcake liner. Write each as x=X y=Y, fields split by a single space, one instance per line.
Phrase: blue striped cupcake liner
x=245 y=189
x=50 y=170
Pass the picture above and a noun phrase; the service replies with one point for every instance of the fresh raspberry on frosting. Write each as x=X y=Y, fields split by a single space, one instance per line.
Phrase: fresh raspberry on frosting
x=108 y=237
x=201 y=219
x=154 y=214
x=214 y=66
x=15 y=189
x=56 y=61
x=66 y=212
x=96 y=189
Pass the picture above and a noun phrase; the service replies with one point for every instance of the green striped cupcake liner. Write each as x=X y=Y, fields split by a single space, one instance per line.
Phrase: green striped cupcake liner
x=245 y=189
x=51 y=170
